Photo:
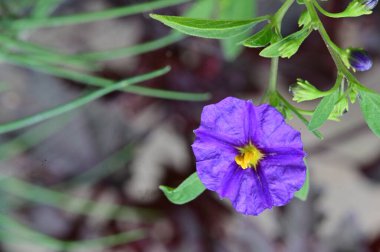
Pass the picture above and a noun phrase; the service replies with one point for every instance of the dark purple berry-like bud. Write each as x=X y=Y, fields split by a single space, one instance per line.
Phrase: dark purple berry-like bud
x=360 y=60
x=371 y=4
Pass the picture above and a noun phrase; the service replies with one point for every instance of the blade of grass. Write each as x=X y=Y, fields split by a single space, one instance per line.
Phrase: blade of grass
x=200 y=9
x=43 y=8
x=30 y=120
x=93 y=16
x=133 y=50
x=101 y=82
x=46 y=54
x=71 y=203
x=13 y=231
x=167 y=94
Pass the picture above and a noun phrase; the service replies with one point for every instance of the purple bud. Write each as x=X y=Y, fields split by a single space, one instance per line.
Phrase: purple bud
x=359 y=59
x=371 y=4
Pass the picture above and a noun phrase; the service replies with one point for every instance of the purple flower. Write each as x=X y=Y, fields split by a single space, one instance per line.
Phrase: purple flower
x=370 y=4
x=249 y=154
x=359 y=59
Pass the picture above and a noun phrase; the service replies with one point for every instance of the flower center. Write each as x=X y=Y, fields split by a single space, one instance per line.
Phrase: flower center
x=249 y=156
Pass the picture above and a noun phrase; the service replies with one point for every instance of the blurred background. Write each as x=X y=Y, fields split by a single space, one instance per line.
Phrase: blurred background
x=87 y=180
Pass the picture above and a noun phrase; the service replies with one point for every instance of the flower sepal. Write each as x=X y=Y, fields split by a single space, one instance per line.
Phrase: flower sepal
x=357 y=8
x=305 y=91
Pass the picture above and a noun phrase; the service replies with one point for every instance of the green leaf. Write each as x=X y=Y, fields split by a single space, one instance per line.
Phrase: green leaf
x=304 y=191
x=323 y=110
x=259 y=39
x=370 y=107
x=287 y=46
x=205 y=28
x=200 y=9
x=230 y=9
x=188 y=190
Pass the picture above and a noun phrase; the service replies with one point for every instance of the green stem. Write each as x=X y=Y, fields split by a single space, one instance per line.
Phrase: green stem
x=298 y=113
x=276 y=20
x=273 y=75
x=332 y=48
x=328 y=14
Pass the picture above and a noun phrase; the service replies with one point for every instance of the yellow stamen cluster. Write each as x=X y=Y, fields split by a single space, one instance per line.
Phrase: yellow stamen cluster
x=249 y=156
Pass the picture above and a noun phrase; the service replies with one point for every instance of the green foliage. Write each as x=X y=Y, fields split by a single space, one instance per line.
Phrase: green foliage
x=261 y=38
x=230 y=10
x=30 y=120
x=288 y=46
x=305 y=91
x=355 y=8
x=33 y=23
x=188 y=190
x=340 y=108
x=323 y=110
x=370 y=107
x=298 y=114
x=206 y=28
x=304 y=19
x=18 y=17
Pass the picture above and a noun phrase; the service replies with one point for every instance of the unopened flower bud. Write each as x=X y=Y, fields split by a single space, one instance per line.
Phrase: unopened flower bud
x=370 y=4
x=357 y=8
x=359 y=59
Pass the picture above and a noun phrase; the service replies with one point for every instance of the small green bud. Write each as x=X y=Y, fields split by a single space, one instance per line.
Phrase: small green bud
x=358 y=8
x=305 y=91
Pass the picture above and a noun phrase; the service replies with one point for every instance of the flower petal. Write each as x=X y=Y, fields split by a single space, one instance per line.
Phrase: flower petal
x=228 y=117
x=212 y=171
x=245 y=190
x=274 y=131
x=284 y=174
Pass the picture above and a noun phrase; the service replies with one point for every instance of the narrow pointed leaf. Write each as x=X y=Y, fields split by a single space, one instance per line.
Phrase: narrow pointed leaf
x=205 y=28
x=188 y=190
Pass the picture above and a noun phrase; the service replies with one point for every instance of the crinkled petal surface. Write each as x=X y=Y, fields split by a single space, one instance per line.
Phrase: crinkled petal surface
x=233 y=123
